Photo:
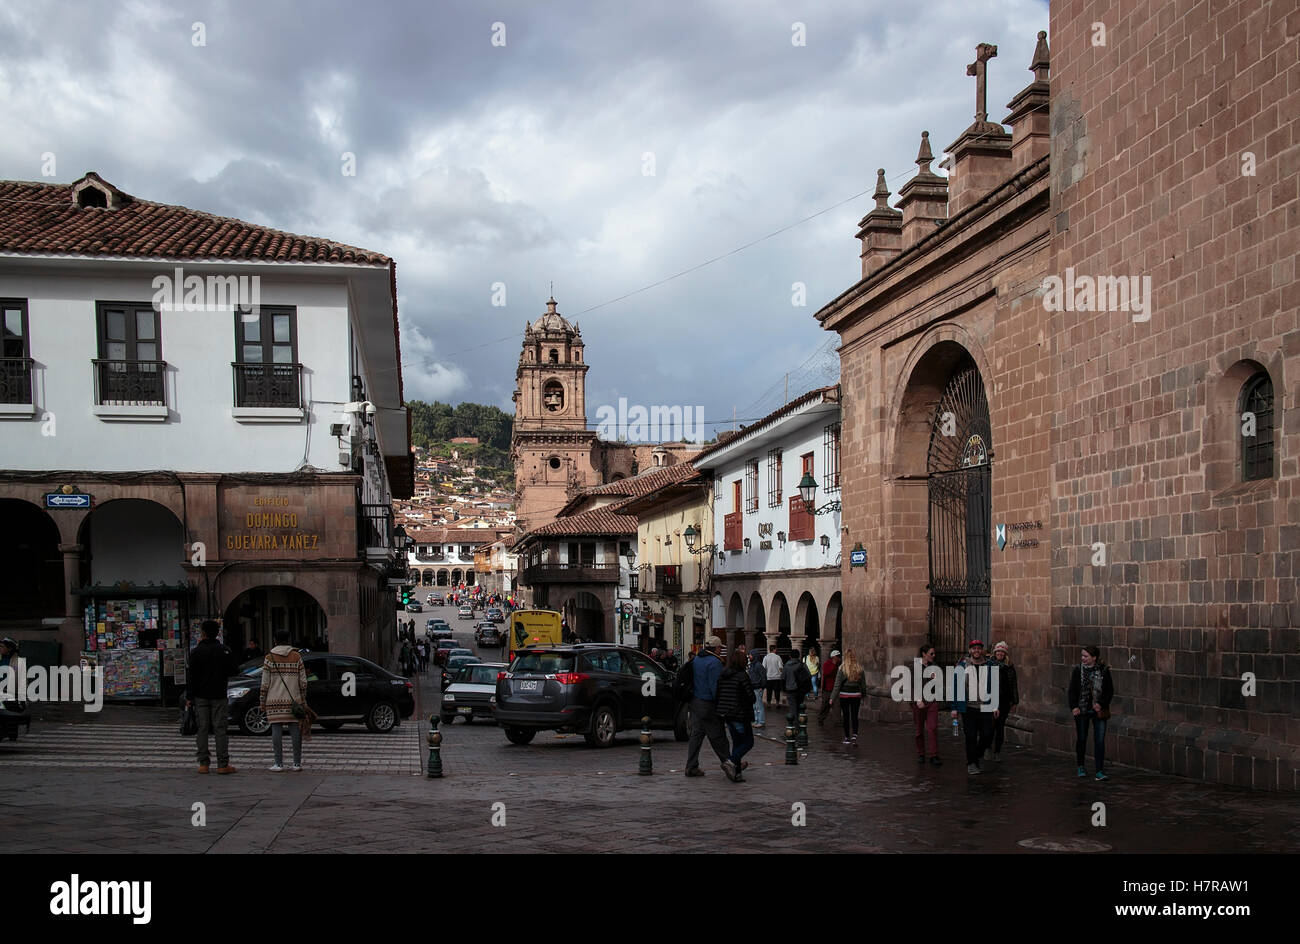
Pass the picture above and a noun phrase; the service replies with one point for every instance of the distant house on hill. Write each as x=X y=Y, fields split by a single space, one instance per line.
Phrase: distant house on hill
x=465 y=441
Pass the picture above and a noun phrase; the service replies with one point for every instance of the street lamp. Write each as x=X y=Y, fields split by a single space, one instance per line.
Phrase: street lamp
x=691 y=535
x=808 y=492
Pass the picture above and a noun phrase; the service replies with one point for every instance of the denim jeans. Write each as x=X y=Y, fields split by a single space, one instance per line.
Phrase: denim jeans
x=1098 y=738
x=742 y=739
x=277 y=741
x=760 y=713
x=978 y=728
x=211 y=713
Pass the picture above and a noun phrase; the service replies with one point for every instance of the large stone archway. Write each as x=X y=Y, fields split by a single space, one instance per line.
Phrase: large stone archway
x=756 y=622
x=32 y=577
x=258 y=612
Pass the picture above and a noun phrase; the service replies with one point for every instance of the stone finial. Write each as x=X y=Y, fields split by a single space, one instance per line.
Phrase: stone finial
x=882 y=190
x=1041 y=66
x=924 y=155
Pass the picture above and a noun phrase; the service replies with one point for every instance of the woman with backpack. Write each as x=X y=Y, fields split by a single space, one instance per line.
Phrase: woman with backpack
x=850 y=686
x=736 y=709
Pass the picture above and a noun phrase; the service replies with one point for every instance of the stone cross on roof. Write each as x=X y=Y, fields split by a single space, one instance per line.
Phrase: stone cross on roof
x=983 y=53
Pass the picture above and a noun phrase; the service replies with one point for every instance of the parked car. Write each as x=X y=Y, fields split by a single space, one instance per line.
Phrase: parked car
x=465 y=612
x=414 y=607
x=381 y=700
x=455 y=659
x=437 y=627
x=490 y=635
x=495 y=615
x=435 y=599
x=443 y=647
x=591 y=689
x=469 y=695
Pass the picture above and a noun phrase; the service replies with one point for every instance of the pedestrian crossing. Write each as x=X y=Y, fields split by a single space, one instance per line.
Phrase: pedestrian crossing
x=138 y=746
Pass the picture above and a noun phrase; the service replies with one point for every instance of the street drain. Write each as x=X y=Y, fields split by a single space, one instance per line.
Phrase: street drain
x=1049 y=844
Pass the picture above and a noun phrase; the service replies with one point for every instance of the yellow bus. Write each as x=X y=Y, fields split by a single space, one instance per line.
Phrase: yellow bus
x=534 y=628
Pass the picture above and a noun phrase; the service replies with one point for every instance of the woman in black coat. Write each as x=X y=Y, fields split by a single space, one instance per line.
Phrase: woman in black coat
x=736 y=709
x=1089 y=697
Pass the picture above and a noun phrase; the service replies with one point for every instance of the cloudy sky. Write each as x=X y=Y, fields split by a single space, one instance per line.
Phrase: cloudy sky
x=601 y=146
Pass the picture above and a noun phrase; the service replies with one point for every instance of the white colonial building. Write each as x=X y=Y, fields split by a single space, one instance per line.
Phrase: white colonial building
x=776 y=563
x=198 y=417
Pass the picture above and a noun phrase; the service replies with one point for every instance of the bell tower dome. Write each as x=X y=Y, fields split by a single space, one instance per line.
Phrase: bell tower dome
x=550 y=381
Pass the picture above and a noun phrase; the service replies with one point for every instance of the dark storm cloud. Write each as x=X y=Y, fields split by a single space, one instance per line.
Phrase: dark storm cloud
x=523 y=164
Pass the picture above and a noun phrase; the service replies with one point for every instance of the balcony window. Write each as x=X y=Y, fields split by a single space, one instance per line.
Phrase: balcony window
x=15 y=353
x=802 y=520
x=129 y=371
x=267 y=372
x=733 y=531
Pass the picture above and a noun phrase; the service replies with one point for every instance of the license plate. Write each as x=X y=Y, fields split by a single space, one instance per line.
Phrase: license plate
x=465 y=711
x=528 y=686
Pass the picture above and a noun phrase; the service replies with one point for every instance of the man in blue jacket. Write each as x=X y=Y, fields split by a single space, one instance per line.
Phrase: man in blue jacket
x=706 y=669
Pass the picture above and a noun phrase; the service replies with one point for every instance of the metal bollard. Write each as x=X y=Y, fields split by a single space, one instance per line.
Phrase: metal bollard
x=803 y=725
x=647 y=765
x=791 y=754
x=434 y=737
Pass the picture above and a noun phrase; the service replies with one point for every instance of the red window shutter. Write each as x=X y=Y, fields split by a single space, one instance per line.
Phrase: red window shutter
x=733 y=528
x=802 y=521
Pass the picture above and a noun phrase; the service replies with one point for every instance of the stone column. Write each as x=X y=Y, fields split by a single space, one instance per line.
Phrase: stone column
x=71 y=578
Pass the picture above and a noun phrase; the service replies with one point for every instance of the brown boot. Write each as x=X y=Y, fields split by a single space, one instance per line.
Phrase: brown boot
x=203 y=768
x=228 y=769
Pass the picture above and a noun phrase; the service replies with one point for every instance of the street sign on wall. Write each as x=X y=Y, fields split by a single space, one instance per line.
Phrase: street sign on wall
x=59 y=500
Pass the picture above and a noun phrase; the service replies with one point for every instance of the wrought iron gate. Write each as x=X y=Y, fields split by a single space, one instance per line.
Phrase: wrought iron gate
x=960 y=516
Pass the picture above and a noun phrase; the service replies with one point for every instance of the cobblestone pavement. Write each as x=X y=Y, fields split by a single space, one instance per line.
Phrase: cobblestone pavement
x=131 y=787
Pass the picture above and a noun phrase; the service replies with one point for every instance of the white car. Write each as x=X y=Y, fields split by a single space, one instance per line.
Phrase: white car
x=465 y=612
x=473 y=692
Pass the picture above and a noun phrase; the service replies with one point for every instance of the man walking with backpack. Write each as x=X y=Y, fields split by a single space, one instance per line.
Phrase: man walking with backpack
x=798 y=682
x=698 y=682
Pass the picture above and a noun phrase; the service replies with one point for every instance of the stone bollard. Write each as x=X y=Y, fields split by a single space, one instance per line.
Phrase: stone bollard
x=791 y=753
x=647 y=765
x=434 y=737
x=803 y=725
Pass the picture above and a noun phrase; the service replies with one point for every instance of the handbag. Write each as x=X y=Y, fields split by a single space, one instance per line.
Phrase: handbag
x=1104 y=714
x=189 y=721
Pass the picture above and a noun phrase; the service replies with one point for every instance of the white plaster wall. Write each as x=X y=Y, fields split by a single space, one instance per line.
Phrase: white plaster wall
x=200 y=434
x=794 y=442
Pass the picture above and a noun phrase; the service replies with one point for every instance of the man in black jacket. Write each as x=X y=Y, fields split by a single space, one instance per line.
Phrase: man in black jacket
x=211 y=665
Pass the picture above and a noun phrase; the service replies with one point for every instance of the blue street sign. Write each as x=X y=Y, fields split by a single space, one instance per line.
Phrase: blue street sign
x=857 y=558
x=59 y=500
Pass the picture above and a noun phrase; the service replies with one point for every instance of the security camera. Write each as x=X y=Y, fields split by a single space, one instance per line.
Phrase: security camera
x=370 y=408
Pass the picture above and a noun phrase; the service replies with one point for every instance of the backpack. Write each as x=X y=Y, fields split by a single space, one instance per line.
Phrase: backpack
x=684 y=683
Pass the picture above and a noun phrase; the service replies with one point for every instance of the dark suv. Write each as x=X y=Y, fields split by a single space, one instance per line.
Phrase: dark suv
x=592 y=689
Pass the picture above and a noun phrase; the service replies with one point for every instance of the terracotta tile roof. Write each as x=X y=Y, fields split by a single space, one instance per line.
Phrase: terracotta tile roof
x=43 y=219
x=452 y=535
x=597 y=521
x=638 y=486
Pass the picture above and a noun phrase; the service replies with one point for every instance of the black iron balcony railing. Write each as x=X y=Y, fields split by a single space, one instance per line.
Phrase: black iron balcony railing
x=376 y=526
x=15 y=380
x=268 y=385
x=571 y=573
x=130 y=383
